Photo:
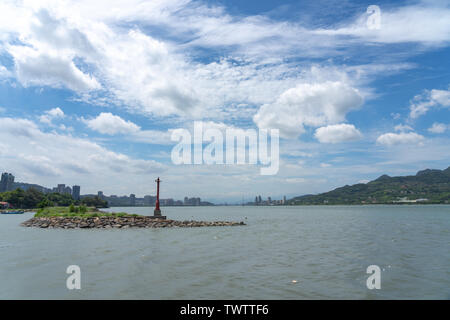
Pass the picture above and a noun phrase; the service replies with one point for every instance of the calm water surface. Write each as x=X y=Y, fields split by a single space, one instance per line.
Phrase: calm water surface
x=325 y=248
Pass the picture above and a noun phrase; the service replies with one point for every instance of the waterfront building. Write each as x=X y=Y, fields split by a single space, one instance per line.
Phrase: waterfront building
x=149 y=200
x=61 y=188
x=76 y=192
x=6 y=182
x=68 y=190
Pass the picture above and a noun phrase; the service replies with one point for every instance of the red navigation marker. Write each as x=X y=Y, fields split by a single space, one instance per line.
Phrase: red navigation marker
x=157 y=211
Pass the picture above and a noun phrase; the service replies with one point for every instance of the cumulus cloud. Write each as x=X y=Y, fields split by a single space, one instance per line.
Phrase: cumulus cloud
x=50 y=156
x=429 y=99
x=390 y=139
x=314 y=105
x=50 y=115
x=35 y=68
x=110 y=124
x=107 y=123
x=438 y=128
x=338 y=133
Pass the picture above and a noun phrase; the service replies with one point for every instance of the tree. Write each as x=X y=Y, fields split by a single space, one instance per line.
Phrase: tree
x=15 y=198
x=63 y=200
x=45 y=203
x=32 y=198
x=94 y=202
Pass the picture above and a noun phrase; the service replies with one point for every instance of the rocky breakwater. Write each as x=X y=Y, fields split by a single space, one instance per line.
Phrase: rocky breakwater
x=120 y=223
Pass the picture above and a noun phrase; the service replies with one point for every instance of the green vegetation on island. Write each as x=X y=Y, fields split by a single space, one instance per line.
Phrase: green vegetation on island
x=427 y=187
x=79 y=212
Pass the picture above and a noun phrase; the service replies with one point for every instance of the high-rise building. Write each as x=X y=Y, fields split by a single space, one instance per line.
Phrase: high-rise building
x=76 y=192
x=149 y=200
x=132 y=200
x=7 y=182
x=101 y=195
x=68 y=190
x=61 y=188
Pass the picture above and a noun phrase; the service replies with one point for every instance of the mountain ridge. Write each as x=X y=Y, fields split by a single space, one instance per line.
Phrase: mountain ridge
x=426 y=186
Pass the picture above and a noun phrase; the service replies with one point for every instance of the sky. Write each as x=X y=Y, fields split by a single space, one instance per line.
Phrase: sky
x=90 y=92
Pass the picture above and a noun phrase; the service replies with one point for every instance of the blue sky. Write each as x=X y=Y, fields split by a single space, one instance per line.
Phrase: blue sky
x=90 y=92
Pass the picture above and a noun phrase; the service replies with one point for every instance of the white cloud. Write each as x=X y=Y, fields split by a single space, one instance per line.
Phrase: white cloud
x=338 y=133
x=104 y=51
x=295 y=180
x=395 y=115
x=429 y=99
x=107 y=123
x=438 y=128
x=35 y=68
x=50 y=115
x=4 y=73
x=402 y=128
x=312 y=105
x=427 y=23
x=48 y=157
x=390 y=139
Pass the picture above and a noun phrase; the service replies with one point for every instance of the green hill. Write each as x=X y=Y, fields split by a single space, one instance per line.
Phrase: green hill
x=427 y=186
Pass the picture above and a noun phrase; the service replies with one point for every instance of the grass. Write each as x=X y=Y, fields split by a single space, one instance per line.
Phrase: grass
x=90 y=213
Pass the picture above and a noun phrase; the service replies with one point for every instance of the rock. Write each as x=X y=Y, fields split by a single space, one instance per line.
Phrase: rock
x=120 y=223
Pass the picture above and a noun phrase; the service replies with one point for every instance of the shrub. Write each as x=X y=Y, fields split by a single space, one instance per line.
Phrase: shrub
x=45 y=203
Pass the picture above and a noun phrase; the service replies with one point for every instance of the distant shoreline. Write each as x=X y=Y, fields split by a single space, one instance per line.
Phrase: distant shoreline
x=333 y=204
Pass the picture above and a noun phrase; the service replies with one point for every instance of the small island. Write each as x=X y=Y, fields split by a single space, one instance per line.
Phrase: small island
x=73 y=217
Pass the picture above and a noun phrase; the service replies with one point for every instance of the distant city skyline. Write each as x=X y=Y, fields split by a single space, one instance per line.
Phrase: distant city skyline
x=7 y=183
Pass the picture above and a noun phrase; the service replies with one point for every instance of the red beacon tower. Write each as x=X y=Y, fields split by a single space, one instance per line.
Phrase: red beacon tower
x=157 y=212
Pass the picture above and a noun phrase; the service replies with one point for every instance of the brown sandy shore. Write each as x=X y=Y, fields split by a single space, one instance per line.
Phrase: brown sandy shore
x=119 y=222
